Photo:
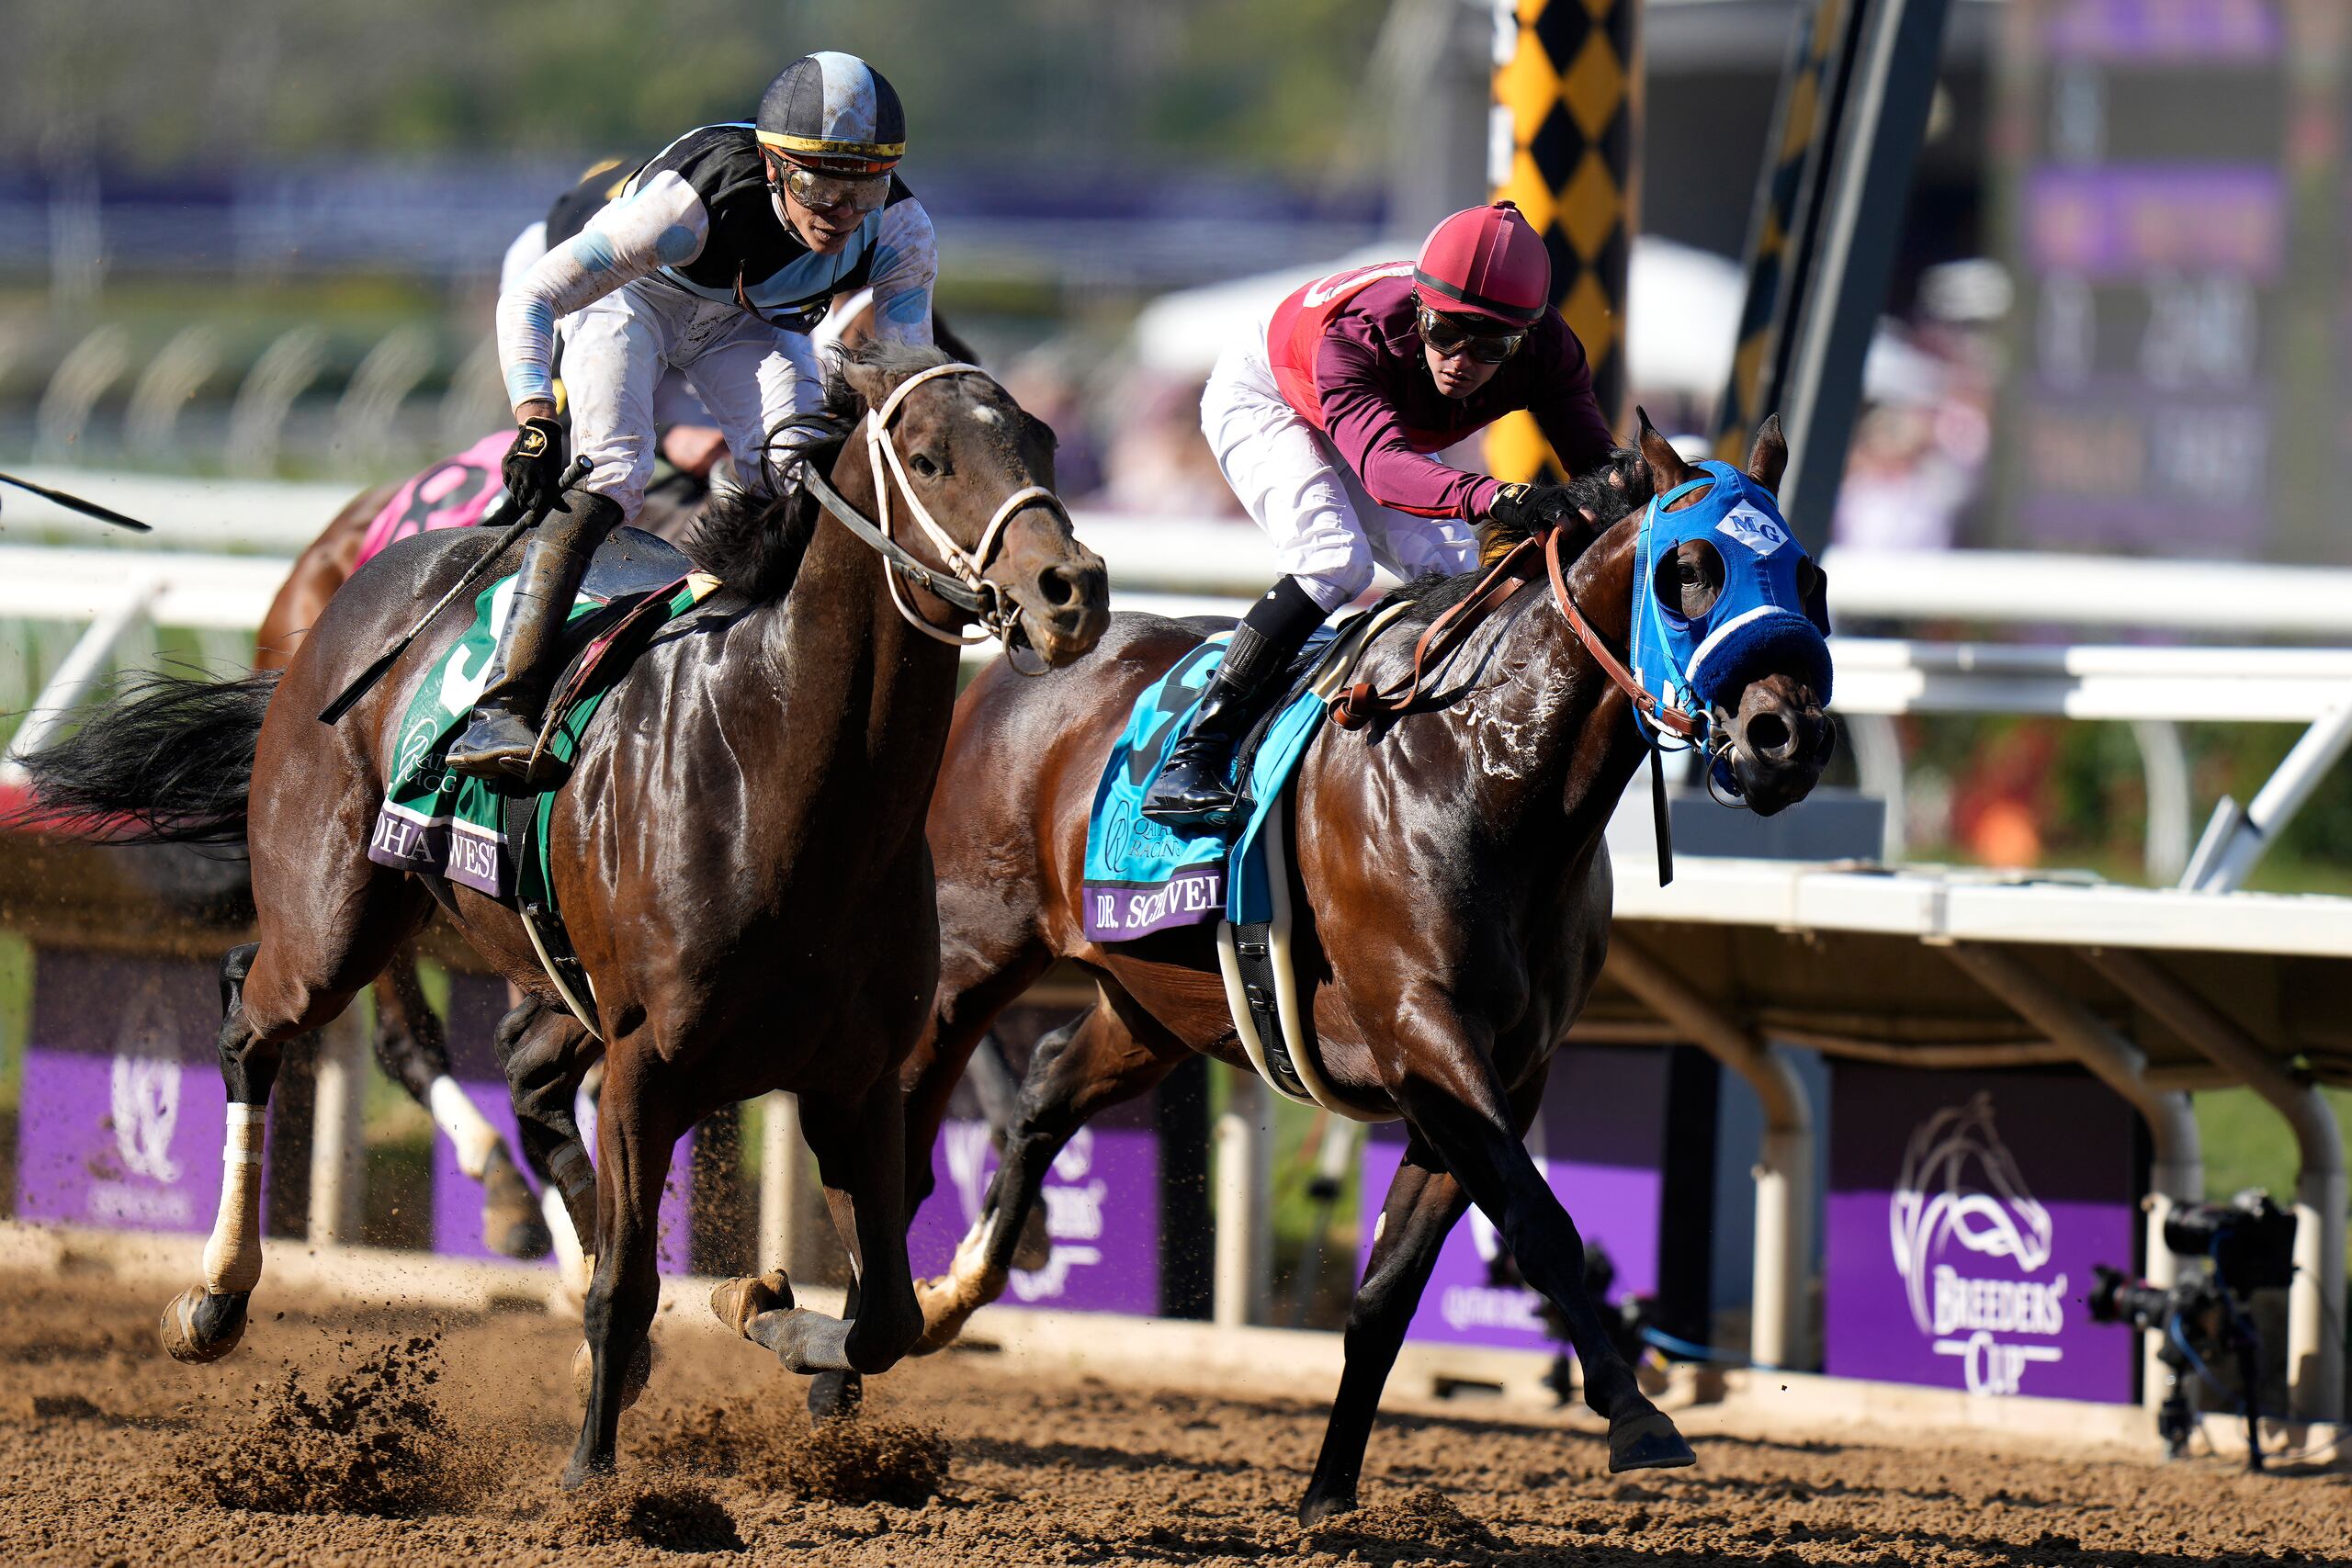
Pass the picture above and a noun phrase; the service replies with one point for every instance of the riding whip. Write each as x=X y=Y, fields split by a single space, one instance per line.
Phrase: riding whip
x=365 y=680
x=75 y=504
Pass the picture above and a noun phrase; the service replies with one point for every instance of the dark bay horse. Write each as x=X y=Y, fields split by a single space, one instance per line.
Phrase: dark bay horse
x=739 y=854
x=1452 y=894
x=411 y=1044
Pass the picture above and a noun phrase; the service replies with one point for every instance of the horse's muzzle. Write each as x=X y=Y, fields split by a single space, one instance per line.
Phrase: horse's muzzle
x=1781 y=740
x=1065 y=600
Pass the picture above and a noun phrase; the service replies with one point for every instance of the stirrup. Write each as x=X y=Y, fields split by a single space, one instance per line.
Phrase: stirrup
x=1198 y=812
x=494 y=751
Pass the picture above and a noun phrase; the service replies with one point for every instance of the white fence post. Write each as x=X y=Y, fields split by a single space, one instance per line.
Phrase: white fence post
x=1243 y=1187
x=338 y=1133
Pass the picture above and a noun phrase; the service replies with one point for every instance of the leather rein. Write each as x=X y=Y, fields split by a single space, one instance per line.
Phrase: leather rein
x=966 y=590
x=1363 y=702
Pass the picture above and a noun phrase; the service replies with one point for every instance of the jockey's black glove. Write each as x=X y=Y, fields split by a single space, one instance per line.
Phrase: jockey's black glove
x=1532 y=508
x=534 y=467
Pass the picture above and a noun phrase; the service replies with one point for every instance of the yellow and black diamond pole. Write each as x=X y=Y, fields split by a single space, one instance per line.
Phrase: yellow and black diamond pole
x=1785 y=196
x=1567 y=80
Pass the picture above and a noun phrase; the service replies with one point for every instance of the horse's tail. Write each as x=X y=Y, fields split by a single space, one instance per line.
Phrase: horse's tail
x=169 y=759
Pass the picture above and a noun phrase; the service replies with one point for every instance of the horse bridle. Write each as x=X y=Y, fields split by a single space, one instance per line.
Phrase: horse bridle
x=969 y=591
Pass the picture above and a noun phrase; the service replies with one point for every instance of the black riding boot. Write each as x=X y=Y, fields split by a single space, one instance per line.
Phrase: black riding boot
x=498 y=743
x=1195 y=788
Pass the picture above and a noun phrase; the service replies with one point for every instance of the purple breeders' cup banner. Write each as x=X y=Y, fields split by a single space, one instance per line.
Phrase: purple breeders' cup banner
x=2122 y=223
x=1965 y=1213
x=2190 y=32
x=476 y=1004
x=1101 y=1203
x=123 y=1112
x=1598 y=1140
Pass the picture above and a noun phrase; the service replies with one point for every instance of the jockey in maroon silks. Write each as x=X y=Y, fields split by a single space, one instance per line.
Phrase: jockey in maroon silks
x=1325 y=418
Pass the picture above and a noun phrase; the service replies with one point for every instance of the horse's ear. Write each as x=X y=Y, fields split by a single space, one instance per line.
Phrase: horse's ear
x=1666 y=464
x=869 y=382
x=1768 y=458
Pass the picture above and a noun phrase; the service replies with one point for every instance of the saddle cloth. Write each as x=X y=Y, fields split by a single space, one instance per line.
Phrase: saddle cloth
x=465 y=830
x=1142 y=877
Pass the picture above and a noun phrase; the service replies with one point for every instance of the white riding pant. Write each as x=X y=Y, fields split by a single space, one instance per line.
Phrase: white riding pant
x=759 y=383
x=1325 y=531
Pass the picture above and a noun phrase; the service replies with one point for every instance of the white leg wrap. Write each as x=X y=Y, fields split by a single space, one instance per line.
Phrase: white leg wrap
x=233 y=1253
x=572 y=1261
x=468 y=1129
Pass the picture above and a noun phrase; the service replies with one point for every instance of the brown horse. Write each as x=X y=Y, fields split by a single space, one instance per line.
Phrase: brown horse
x=739 y=854
x=410 y=1043
x=1454 y=895
x=409 y=1040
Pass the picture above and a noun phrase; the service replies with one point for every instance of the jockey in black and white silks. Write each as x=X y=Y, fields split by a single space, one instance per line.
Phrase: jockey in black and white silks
x=718 y=260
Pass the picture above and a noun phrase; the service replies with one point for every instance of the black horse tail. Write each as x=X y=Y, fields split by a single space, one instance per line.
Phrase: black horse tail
x=169 y=759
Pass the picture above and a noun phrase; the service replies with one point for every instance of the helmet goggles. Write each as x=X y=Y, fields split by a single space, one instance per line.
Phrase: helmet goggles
x=826 y=191
x=1482 y=340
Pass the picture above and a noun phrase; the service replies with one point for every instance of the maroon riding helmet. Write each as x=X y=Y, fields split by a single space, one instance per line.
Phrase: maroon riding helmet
x=1485 y=262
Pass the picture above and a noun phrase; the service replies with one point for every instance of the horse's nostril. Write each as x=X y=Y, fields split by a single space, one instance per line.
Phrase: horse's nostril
x=1059 y=584
x=1768 y=735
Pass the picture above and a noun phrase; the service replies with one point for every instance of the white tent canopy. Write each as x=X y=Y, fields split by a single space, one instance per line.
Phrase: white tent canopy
x=1684 y=322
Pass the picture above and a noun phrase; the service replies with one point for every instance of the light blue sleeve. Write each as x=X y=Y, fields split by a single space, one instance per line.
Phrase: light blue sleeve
x=906 y=264
x=661 y=224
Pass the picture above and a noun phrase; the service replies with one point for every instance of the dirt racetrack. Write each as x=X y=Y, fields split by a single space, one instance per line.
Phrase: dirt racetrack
x=452 y=1426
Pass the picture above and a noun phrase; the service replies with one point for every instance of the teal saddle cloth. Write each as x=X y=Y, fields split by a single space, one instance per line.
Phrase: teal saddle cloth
x=1142 y=876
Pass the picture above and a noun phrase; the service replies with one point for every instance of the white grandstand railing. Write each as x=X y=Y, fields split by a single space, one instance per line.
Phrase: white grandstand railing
x=1228 y=558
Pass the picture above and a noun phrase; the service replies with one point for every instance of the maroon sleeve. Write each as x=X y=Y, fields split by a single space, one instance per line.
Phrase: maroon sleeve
x=1562 y=401
x=1360 y=416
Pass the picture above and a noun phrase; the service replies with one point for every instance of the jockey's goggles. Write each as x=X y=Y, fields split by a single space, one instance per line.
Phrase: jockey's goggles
x=1450 y=335
x=833 y=193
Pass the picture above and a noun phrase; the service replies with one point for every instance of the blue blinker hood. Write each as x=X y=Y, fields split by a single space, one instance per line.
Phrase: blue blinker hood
x=1759 y=621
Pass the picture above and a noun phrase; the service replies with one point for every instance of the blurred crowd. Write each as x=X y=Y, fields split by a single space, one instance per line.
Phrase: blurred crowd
x=1916 y=473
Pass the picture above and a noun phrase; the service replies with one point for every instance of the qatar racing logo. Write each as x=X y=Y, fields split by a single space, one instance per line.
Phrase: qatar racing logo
x=1960 y=1183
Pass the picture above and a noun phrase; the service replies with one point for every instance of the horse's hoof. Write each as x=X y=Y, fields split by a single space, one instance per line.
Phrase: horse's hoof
x=1646 y=1441
x=835 y=1396
x=199 y=1326
x=1035 y=1247
x=738 y=1301
x=1318 y=1510
x=633 y=1382
x=511 y=1223
x=576 y=1474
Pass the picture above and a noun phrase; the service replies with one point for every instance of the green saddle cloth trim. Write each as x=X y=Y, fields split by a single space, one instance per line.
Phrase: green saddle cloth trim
x=440 y=823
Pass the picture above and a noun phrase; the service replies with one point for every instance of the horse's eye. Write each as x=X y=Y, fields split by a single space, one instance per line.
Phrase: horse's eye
x=923 y=466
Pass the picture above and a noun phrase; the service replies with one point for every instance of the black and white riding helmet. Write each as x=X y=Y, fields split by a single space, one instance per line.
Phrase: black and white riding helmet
x=832 y=128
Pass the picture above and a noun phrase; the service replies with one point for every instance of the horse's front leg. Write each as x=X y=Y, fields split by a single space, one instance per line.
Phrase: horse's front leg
x=1450 y=1092
x=1108 y=1054
x=860 y=1149
x=637 y=1130
x=1423 y=1205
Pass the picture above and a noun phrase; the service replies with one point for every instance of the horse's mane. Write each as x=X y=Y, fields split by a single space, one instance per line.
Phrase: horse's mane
x=1432 y=594
x=753 y=543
